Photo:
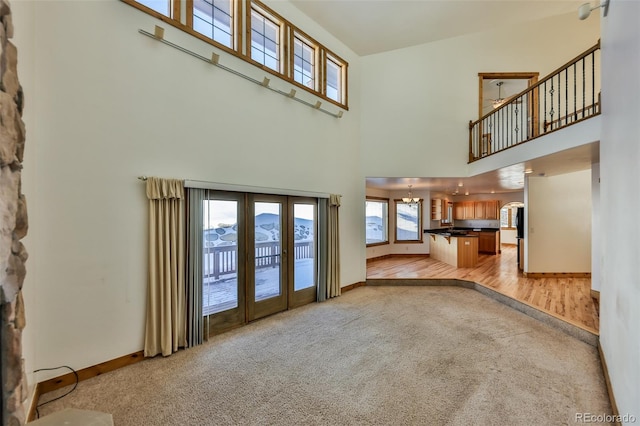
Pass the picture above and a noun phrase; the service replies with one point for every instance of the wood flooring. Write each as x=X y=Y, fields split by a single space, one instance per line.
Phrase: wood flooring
x=568 y=299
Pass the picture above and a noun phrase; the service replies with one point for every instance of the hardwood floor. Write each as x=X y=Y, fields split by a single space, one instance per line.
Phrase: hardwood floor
x=568 y=299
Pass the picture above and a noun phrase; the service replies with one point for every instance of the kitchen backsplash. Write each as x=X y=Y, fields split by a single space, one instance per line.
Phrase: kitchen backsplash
x=477 y=223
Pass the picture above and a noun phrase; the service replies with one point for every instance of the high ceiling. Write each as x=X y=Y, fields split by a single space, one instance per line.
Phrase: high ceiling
x=373 y=26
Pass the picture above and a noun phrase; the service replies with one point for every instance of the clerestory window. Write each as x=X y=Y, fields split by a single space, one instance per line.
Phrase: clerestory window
x=265 y=39
x=215 y=19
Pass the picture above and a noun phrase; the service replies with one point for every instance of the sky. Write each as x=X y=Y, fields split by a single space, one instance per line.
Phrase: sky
x=216 y=212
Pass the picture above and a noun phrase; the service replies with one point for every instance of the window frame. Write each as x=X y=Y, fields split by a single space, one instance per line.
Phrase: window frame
x=386 y=220
x=315 y=46
x=278 y=21
x=241 y=44
x=398 y=201
x=235 y=32
x=329 y=56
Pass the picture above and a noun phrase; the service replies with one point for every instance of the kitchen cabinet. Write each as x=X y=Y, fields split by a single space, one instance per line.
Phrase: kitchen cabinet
x=466 y=210
x=436 y=209
x=440 y=210
x=492 y=210
x=489 y=242
x=461 y=252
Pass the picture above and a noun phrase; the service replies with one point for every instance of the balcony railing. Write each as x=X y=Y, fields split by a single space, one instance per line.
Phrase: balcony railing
x=567 y=96
x=223 y=260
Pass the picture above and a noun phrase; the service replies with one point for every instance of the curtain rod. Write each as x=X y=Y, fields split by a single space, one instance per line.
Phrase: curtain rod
x=253 y=189
x=214 y=60
x=200 y=184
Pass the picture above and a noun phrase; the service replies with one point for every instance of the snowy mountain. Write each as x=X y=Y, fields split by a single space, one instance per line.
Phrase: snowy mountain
x=267 y=228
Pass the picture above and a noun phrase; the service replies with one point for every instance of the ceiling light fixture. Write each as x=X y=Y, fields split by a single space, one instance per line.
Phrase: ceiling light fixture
x=585 y=10
x=500 y=100
x=528 y=171
x=410 y=199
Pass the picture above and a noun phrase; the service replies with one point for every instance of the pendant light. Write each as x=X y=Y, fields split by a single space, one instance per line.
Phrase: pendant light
x=410 y=199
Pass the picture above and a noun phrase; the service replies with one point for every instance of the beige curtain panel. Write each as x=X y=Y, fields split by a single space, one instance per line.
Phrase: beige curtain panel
x=333 y=243
x=166 y=324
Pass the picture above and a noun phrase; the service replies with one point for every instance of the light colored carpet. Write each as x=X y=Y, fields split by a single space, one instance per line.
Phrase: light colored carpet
x=376 y=355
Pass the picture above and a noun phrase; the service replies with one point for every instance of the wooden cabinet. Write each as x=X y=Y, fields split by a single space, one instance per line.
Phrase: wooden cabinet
x=489 y=242
x=492 y=210
x=440 y=210
x=476 y=210
x=461 y=252
x=436 y=209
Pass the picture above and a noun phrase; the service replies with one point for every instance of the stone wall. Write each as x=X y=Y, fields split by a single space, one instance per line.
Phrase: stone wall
x=13 y=227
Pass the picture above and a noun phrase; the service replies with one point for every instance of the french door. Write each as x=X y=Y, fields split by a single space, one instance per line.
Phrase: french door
x=260 y=256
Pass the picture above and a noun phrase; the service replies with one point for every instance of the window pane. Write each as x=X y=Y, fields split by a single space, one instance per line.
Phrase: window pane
x=265 y=41
x=334 y=81
x=220 y=256
x=377 y=220
x=304 y=246
x=268 y=249
x=160 y=6
x=304 y=63
x=214 y=20
x=407 y=221
x=504 y=217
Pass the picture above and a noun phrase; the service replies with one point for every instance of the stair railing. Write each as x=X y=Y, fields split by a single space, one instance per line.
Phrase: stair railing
x=567 y=96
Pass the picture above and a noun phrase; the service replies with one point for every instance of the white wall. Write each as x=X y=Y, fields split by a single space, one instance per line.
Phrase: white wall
x=417 y=101
x=596 y=229
x=111 y=105
x=620 y=202
x=558 y=234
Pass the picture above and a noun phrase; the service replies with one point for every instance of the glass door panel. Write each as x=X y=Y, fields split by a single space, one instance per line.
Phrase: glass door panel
x=223 y=261
x=268 y=249
x=304 y=246
x=266 y=292
x=302 y=226
x=220 y=261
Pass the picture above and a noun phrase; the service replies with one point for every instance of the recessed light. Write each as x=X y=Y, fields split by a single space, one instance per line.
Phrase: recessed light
x=466 y=193
x=528 y=171
x=460 y=184
x=493 y=192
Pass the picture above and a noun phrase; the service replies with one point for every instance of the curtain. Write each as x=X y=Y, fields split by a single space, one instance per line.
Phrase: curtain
x=166 y=326
x=195 y=199
x=329 y=274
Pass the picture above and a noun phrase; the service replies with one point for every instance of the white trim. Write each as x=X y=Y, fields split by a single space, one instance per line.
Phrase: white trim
x=253 y=189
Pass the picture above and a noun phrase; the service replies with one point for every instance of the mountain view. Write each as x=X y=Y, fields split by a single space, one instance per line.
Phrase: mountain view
x=267 y=229
x=407 y=228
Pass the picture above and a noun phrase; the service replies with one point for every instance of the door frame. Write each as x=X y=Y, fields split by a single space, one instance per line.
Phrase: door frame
x=532 y=78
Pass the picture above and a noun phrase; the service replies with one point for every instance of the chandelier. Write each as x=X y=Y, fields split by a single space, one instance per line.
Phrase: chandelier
x=410 y=199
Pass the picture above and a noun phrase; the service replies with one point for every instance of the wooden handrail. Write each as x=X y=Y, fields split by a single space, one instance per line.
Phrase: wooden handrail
x=540 y=82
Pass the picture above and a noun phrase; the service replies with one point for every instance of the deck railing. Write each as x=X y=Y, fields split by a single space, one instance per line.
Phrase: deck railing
x=567 y=96
x=223 y=260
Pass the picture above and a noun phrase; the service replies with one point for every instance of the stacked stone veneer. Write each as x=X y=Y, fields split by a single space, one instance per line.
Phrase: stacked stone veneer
x=13 y=227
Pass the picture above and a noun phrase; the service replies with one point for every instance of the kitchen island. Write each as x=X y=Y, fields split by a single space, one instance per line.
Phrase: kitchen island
x=456 y=249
